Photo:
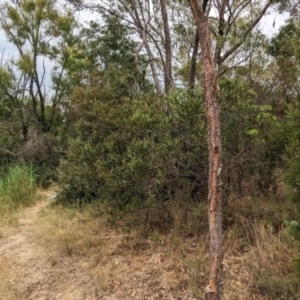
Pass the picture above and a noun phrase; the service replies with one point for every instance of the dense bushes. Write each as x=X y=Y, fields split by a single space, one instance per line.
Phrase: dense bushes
x=133 y=152
x=36 y=148
x=292 y=154
x=253 y=140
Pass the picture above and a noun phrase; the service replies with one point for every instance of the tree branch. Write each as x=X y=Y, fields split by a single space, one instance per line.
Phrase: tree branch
x=245 y=34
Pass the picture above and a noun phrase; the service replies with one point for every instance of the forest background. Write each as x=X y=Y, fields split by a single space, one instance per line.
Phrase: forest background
x=113 y=110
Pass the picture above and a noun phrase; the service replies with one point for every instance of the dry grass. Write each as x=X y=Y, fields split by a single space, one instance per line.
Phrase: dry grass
x=70 y=231
x=259 y=251
x=161 y=266
x=11 y=275
x=174 y=264
x=7 y=290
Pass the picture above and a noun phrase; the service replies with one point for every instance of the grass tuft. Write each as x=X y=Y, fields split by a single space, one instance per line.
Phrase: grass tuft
x=17 y=189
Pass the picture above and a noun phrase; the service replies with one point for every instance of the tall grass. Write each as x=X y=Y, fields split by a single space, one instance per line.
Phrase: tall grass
x=17 y=188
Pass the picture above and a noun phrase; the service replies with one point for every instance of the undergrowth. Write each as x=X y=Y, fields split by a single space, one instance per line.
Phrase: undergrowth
x=156 y=259
x=17 y=189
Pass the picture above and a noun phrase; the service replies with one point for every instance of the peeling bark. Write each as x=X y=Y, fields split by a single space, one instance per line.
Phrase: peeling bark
x=214 y=289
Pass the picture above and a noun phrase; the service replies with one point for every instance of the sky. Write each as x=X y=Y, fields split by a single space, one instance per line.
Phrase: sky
x=271 y=23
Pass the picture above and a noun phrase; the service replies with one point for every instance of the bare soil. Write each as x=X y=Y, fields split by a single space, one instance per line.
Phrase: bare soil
x=27 y=273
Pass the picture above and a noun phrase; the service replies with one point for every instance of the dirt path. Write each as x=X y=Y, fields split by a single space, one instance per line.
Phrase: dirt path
x=31 y=268
x=27 y=272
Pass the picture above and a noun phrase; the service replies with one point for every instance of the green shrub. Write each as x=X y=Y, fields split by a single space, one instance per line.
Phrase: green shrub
x=253 y=139
x=134 y=152
x=45 y=174
x=17 y=188
x=292 y=174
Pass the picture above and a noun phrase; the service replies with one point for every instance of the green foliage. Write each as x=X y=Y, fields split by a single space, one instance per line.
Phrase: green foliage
x=285 y=49
x=296 y=267
x=293 y=178
x=292 y=174
x=108 y=51
x=17 y=188
x=252 y=137
x=184 y=72
x=9 y=129
x=285 y=43
x=30 y=26
x=131 y=153
x=45 y=173
x=135 y=151
x=292 y=228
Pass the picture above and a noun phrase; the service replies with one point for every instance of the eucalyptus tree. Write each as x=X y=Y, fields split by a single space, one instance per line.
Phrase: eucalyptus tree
x=284 y=48
x=153 y=24
x=150 y=19
x=228 y=38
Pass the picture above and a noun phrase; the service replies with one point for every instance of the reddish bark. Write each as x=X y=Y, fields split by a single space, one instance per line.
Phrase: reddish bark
x=214 y=289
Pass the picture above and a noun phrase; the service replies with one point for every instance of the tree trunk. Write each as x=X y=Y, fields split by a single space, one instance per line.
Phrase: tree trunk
x=168 y=65
x=142 y=31
x=214 y=289
x=153 y=68
x=194 y=62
